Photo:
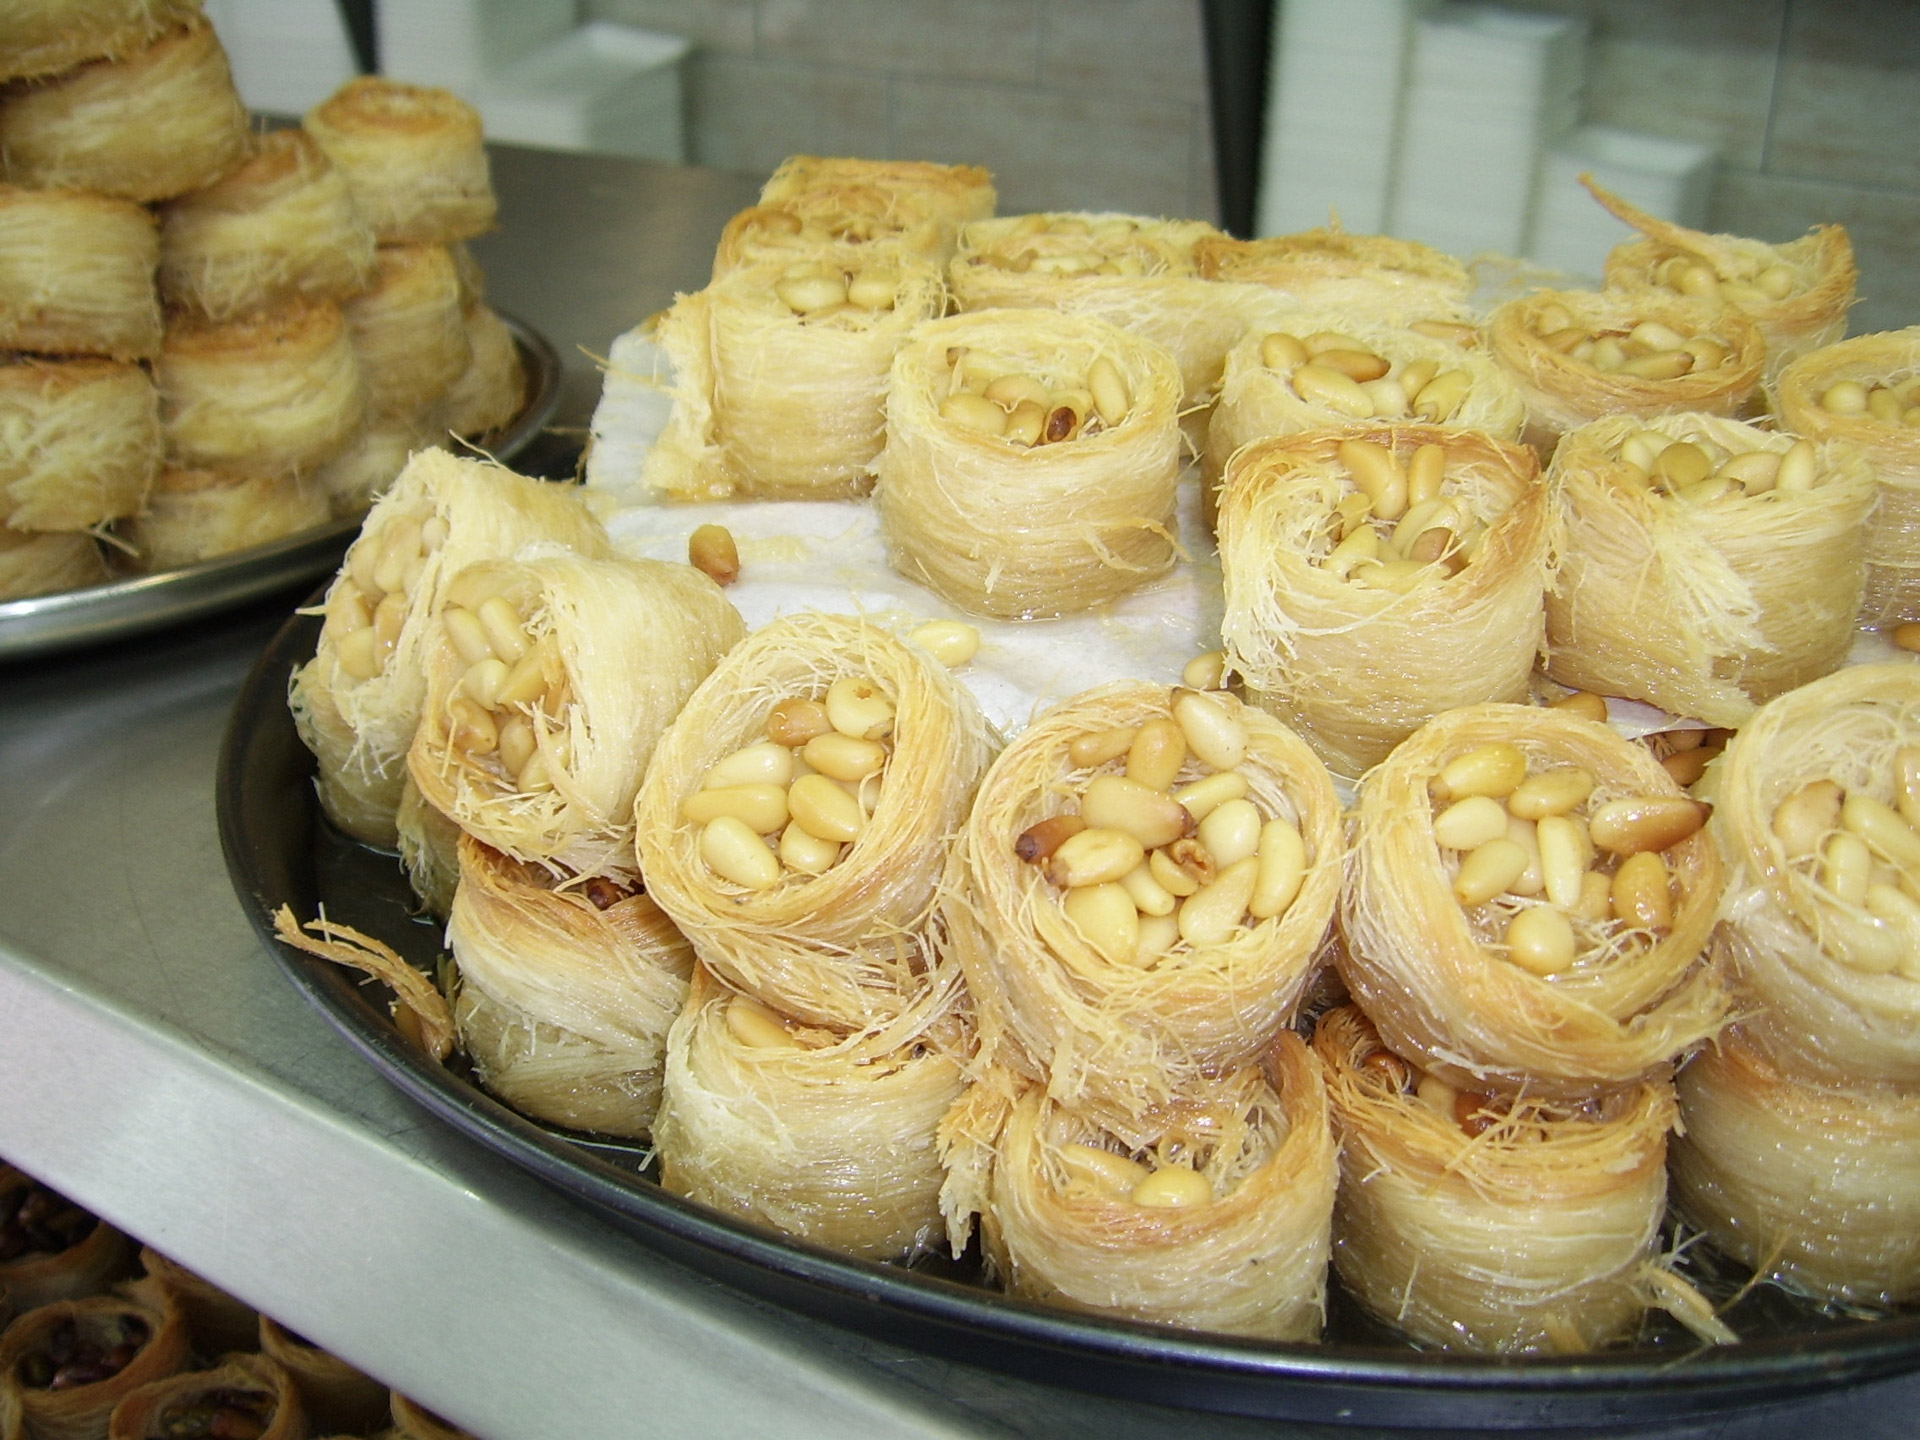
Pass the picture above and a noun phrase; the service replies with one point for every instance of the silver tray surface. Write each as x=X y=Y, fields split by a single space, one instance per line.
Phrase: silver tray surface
x=137 y=604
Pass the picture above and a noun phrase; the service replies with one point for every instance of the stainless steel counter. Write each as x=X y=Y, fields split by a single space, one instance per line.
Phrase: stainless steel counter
x=156 y=1065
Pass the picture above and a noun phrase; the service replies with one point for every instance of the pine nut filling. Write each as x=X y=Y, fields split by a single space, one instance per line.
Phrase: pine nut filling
x=1339 y=373
x=1472 y=1112
x=793 y=803
x=1027 y=410
x=368 y=606
x=1072 y=246
x=1165 y=851
x=1644 y=349
x=508 y=710
x=1864 y=853
x=1702 y=471
x=1547 y=867
x=1397 y=525
x=1167 y=1177
x=817 y=290
x=1894 y=400
x=1749 y=285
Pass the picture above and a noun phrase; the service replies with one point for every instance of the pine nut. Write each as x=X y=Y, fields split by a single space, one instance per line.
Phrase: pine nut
x=517 y=743
x=1584 y=703
x=1283 y=869
x=1596 y=897
x=347 y=607
x=1488 y=870
x=1318 y=385
x=1707 y=353
x=1469 y=823
x=1109 y=389
x=1441 y=396
x=824 y=810
x=1846 y=397
x=1643 y=448
x=1660 y=365
x=526 y=681
x=1639 y=823
x=1214 y=911
x=842 y=757
x=1158 y=751
x=1101 y=1171
x=1096 y=747
x=951 y=642
x=1281 y=351
x=1213 y=733
x=1066 y=413
x=465 y=633
x=1015 y=387
x=1026 y=424
x=712 y=551
x=974 y=412
x=483 y=681
x=1540 y=940
x=1359 y=365
x=1455 y=333
x=805 y=852
x=1883 y=404
x=1436 y=1095
x=1683 y=463
x=1038 y=841
x=1172 y=877
x=1415 y=374
x=1378 y=476
x=1551 y=792
x=472 y=728
x=1149 y=896
x=1173 y=1187
x=358 y=653
x=761 y=807
x=1202 y=797
x=501 y=622
x=1799 y=468
x=1883 y=828
x=1755 y=471
x=1207 y=671
x=1642 y=895
x=1094 y=856
x=1105 y=916
x=806 y=293
x=1149 y=814
x=1687 y=766
x=1653 y=335
x=1426 y=472
x=874 y=289
x=755 y=1025
x=389 y=618
x=858 y=707
x=761 y=763
x=734 y=851
x=397 y=548
x=1906 y=783
x=1565 y=853
x=1388 y=397
x=1231 y=832
x=1362 y=547
x=1607 y=354
x=1529 y=882
x=1495 y=769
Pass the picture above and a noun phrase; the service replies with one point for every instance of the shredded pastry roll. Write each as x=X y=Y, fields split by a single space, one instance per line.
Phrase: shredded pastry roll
x=1141 y=892
x=357 y=702
x=1798 y=293
x=1814 y=1184
x=278 y=393
x=796 y=815
x=1032 y=462
x=780 y=373
x=549 y=680
x=566 y=990
x=45 y=39
x=1578 y=355
x=147 y=126
x=957 y=193
x=409 y=329
x=1705 y=565
x=1862 y=390
x=1331 y=268
x=244 y=1393
x=414 y=156
x=39 y=564
x=1819 y=795
x=1212 y=1214
x=1528 y=897
x=194 y=515
x=79 y=441
x=1376 y=577
x=825 y=1136
x=76 y=274
x=142 y=1327
x=278 y=226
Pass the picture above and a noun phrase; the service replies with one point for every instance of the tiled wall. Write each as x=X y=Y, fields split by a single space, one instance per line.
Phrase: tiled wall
x=1101 y=104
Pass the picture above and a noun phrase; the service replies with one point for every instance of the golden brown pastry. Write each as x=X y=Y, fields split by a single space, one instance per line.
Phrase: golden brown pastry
x=216 y=1321
x=244 y=1394
x=1032 y=462
x=71 y=1361
x=1705 y=565
x=52 y=1249
x=195 y=515
x=414 y=156
x=409 y=330
x=1497 y=1224
x=1376 y=577
x=79 y=441
x=489 y=394
x=1332 y=268
x=334 y=1394
x=1141 y=891
x=1528 y=897
x=76 y=274
x=39 y=564
x=45 y=39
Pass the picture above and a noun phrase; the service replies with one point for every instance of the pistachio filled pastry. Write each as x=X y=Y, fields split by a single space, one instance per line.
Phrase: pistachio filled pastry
x=1798 y=293
x=1376 y=577
x=1141 y=893
x=1032 y=462
x=70 y=1362
x=1813 y=1183
x=548 y=680
x=357 y=702
x=1529 y=897
x=243 y=1395
x=1705 y=565
x=1488 y=1223
x=823 y=1135
x=52 y=1249
x=1212 y=1214
x=1866 y=391
x=1819 y=804
x=1580 y=354
x=795 y=817
x=566 y=989
x=780 y=375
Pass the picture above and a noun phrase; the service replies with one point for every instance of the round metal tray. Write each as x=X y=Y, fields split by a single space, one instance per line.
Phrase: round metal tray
x=280 y=851
x=136 y=604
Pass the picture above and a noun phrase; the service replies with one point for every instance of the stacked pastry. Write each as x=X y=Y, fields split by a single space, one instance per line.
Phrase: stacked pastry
x=1138 y=901
x=203 y=347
